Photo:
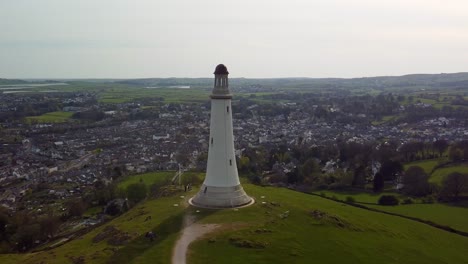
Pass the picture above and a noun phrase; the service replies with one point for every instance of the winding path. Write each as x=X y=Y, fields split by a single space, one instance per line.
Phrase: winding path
x=190 y=233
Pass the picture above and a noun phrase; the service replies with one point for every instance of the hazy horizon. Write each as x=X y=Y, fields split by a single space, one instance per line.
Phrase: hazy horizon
x=53 y=39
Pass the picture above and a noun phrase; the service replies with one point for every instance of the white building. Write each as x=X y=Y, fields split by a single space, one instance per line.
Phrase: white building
x=221 y=188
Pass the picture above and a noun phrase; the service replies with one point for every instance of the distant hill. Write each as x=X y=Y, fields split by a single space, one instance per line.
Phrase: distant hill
x=411 y=80
x=11 y=81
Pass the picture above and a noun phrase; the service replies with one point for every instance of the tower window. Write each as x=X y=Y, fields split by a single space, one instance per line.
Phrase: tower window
x=211 y=141
x=227 y=108
x=230 y=162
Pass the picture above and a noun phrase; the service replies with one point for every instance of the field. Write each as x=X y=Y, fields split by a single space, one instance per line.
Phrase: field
x=427 y=165
x=283 y=226
x=169 y=95
x=443 y=214
x=52 y=117
x=438 y=175
x=453 y=216
x=362 y=197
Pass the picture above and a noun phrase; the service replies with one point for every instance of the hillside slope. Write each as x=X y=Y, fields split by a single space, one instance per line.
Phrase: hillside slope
x=283 y=226
x=318 y=230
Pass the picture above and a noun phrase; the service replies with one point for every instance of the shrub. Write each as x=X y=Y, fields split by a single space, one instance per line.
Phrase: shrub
x=388 y=200
x=350 y=199
x=136 y=192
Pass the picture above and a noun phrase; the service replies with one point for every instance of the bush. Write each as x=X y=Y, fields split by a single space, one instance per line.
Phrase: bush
x=350 y=199
x=388 y=200
x=136 y=192
x=255 y=179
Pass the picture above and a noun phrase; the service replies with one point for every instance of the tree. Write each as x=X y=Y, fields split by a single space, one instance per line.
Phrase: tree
x=359 y=177
x=76 y=207
x=415 y=182
x=243 y=164
x=378 y=182
x=388 y=200
x=136 y=192
x=454 y=185
x=455 y=154
x=49 y=225
x=440 y=145
x=390 y=169
x=310 y=170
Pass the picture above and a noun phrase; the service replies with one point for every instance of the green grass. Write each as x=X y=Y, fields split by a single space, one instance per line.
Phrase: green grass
x=427 y=165
x=362 y=197
x=341 y=234
x=438 y=175
x=52 y=117
x=147 y=178
x=92 y=211
x=159 y=177
x=347 y=235
x=443 y=214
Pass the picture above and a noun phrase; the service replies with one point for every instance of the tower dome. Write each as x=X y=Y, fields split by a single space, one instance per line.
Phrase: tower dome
x=221 y=69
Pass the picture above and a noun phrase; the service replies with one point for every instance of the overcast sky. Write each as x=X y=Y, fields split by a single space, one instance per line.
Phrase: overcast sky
x=253 y=38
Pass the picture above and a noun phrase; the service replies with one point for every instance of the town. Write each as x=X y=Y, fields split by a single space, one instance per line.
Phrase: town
x=64 y=155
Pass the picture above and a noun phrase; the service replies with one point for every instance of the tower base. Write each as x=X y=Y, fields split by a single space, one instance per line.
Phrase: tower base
x=221 y=197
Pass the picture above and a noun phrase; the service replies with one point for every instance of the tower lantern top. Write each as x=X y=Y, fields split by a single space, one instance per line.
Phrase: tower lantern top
x=221 y=69
x=221 y=83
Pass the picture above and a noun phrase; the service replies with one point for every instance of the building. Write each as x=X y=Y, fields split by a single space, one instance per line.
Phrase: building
x=221 y=188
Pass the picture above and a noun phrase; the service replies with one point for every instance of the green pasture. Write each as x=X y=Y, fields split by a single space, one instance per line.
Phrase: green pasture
x=169 y=95
x=359 y=196
x=438 y=175
x=440 y=213
x=443 y=214
x=427 y=165
x=52 y=117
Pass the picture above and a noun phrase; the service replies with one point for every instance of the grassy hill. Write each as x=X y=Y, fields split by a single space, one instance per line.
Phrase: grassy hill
x=322 y=231
x=283 y=226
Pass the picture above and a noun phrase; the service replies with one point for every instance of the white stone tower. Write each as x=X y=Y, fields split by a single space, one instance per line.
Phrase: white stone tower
x=221 y=188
